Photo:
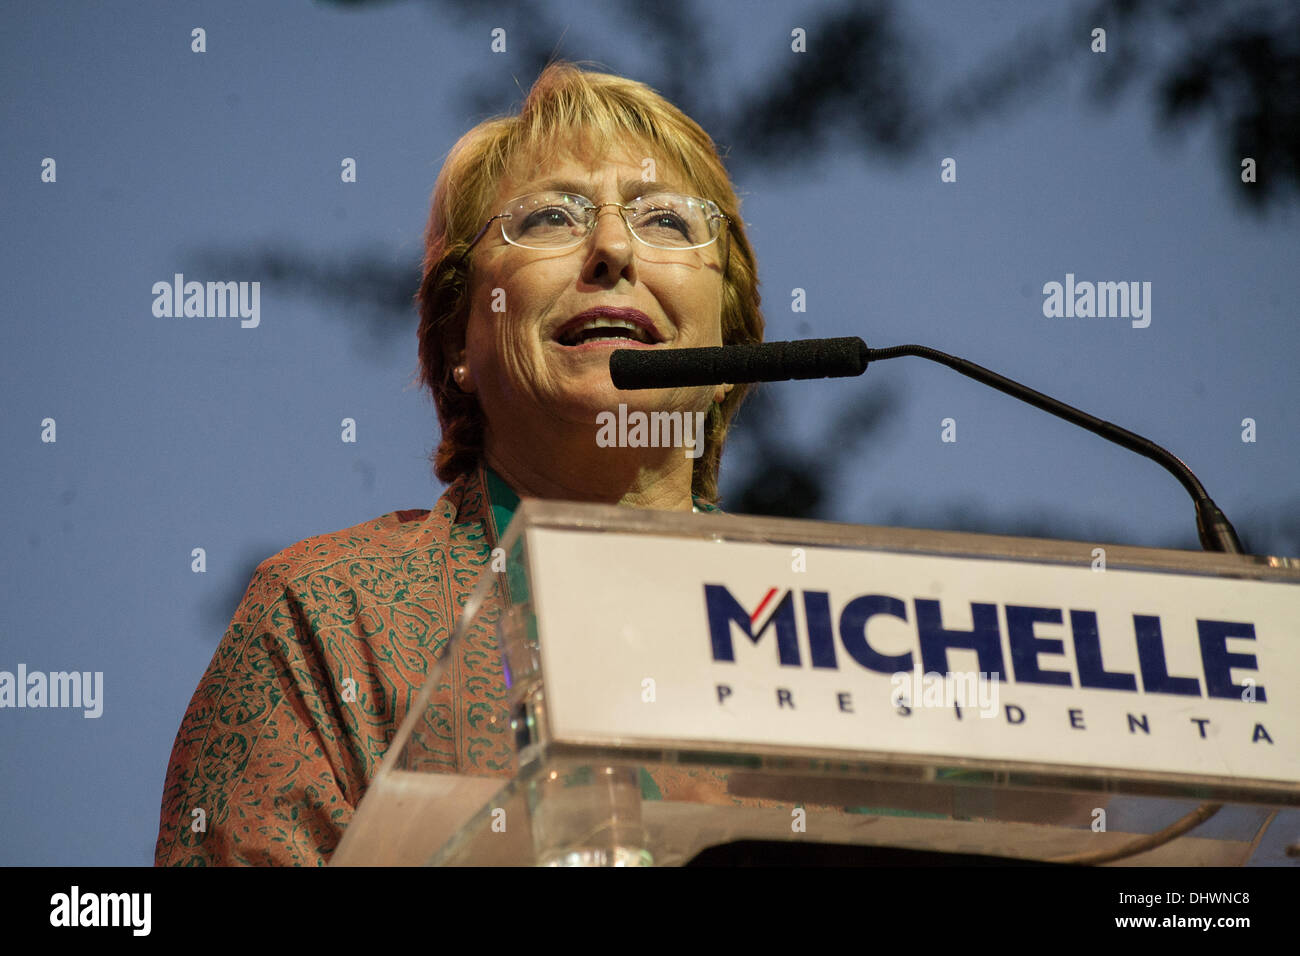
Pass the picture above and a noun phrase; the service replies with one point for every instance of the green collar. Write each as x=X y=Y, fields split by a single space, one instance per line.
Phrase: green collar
x=503 y=502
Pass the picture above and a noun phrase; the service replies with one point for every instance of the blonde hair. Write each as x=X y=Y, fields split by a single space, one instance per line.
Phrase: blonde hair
x=566 y=105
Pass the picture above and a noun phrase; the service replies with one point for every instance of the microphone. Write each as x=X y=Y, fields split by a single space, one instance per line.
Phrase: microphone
x=737 y=364
x=839 y=358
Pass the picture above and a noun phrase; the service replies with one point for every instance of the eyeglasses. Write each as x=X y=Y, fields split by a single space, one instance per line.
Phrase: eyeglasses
x=556 y=220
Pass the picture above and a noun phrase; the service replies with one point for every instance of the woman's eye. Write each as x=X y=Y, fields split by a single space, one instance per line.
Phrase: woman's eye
x=664 y=225
x=547 y=218
x=660 y=219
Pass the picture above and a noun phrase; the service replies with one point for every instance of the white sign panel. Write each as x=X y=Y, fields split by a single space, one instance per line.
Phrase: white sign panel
x=650 y=638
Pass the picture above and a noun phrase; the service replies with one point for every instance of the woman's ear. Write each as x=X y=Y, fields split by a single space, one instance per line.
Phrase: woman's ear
x=720 y=393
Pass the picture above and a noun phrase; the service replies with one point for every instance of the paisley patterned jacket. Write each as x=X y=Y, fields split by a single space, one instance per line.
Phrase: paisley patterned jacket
x=331 y=643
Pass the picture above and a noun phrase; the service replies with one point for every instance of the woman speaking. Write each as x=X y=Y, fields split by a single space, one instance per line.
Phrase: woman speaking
x=600 y=217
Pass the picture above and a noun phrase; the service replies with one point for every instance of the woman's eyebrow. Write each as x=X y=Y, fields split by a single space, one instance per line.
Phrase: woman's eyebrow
x=630 y=187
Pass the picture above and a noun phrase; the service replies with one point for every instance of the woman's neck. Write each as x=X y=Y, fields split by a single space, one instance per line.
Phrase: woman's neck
x=658 y=478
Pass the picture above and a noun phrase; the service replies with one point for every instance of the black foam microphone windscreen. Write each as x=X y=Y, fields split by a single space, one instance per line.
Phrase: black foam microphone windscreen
x=735 y=364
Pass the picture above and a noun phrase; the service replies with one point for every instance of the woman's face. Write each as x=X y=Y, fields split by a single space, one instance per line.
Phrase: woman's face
x=523 y=361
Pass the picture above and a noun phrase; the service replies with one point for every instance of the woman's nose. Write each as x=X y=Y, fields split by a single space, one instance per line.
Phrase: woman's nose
x=611 y=246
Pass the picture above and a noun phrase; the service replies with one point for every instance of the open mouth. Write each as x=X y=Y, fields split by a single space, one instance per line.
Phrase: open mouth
x=602 y=329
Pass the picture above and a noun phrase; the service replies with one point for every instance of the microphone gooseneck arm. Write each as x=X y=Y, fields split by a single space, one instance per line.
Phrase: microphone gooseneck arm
x=1212 y=525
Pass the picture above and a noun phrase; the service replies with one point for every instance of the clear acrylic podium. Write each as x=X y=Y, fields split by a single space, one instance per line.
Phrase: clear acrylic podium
x=663 y=769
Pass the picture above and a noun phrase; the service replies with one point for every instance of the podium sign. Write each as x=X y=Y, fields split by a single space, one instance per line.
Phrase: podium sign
x=676 y=681
x=659 y=641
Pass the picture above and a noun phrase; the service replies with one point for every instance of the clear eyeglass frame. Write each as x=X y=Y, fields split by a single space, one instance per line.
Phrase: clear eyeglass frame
x=714 y=218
